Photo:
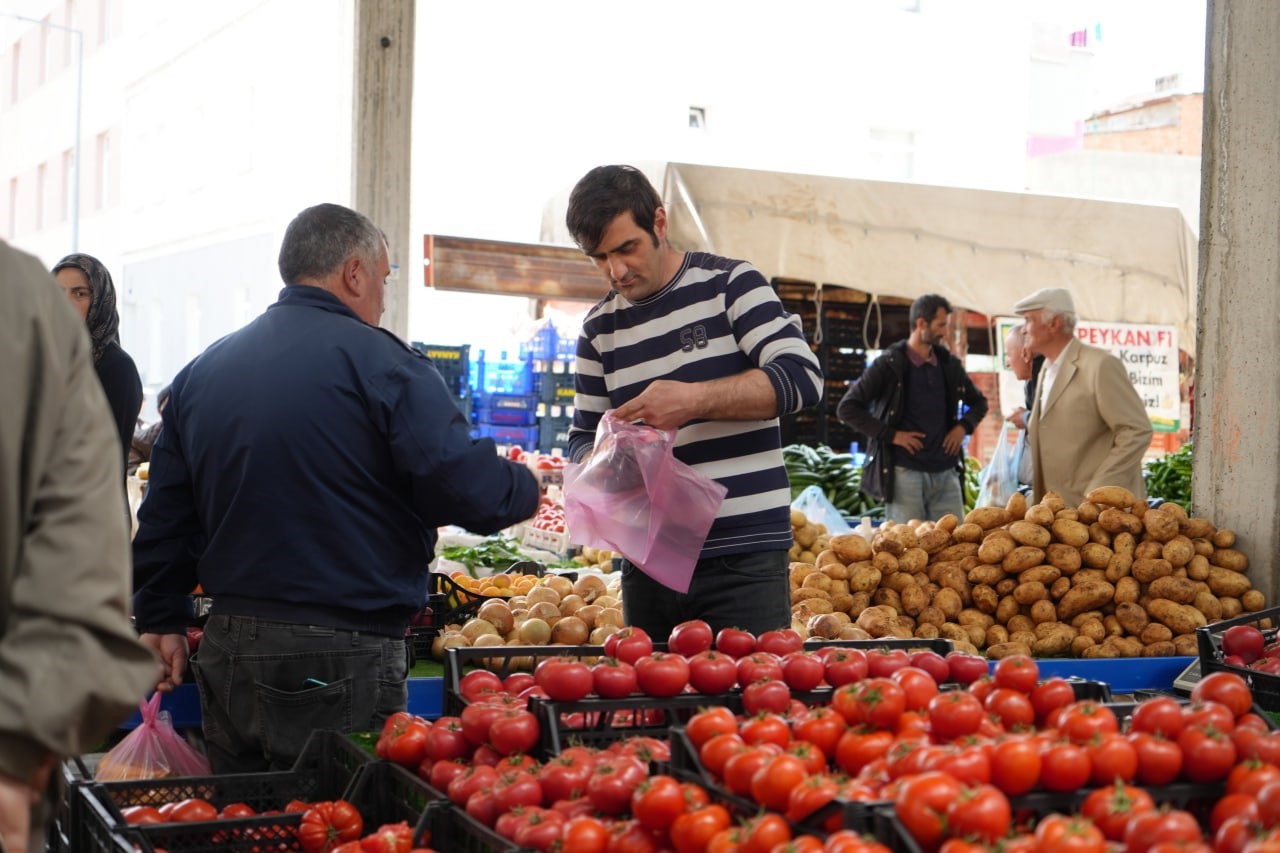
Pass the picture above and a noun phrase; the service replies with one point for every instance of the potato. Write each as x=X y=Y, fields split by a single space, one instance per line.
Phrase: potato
x=885 y=541
x=935 y=540
x=948 y=522
x=1055 y=642
x=1145 y=571
x=877 y=621
x=1127 y=590
x=1210 y=605
x=850 y=548
x=1085 y=576
x=1019 y=623
x=953 y=632
x=1017 y=506
x=984 y=598
x=914 y=559
x=931 y=616
x=1115 y=521
x=1253 y=601
x=1040 y=515
x=949 y=602
x=1094 y=629
x=1179 y=618
x=1030 y=592
x=1042 y=611
x=1160 y=526
x=1022 y=558
x=1196 y=528
x=966 y=533
x=1132 y=618
x=1042 y=573
x=816 y=606
x=1087 y=512
x=1223 y=538
x=1006 y=609
x=996 y=546
x=861 y=601
x=972 y=616
x=837 y=572
x=1121 y=566
x=986 y=574
x=1064 y=558
x=1159 y=650
x=1185 y=644
x=802 y=593
x=1228 y=582
x=816 y=580
x=1006 y=585
x=996 y=635
x=1180 y=590
x=898 y=581
x=1053 y=502
x=1231 y=607
x=1099 y=535
x=1155 y=633
x=1067 y=514
x=987 y=517
x=1127 y=647
x=1059 y=588
x=956 y=552
x=1178 y=551
x=1095 y=555
x=1070 y=532
x=842 y=603
x=1230 y=558
x=927 y=631
x=1028 y=533
x=1087 y=596
x=953 y=577
x=1112 y=496
x=1081 y=644
x=885 y=597
x=1009 y=649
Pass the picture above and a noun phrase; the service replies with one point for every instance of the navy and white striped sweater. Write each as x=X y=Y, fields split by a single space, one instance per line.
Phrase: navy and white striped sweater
x=717 y=317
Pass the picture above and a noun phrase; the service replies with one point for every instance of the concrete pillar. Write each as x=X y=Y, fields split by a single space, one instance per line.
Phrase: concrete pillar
x=1237 y=389
x=382 y=119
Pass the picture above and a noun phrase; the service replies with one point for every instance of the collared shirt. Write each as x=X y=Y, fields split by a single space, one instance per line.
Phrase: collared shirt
x=917 y=360
x=1049 y=374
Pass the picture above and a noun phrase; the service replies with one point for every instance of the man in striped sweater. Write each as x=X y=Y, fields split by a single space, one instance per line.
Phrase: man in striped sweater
x=701 y=344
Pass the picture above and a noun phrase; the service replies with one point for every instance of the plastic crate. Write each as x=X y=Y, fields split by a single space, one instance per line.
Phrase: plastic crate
x=556 y=387
x=453 y=363
x=542 y=346
x=546 y=540
x=449 y=829
x=503 y=660
x=599 y=722
x=324 y=771
x=553 y=434
x=501 y=375
x=515 y=409
x=525 y=437
x=388 y=793
x=1265 y=686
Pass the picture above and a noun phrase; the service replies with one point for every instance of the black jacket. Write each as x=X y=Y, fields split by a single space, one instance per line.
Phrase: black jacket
x=874 y=406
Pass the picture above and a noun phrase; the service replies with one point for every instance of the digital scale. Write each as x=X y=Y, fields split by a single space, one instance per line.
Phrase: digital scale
x=1189 y=677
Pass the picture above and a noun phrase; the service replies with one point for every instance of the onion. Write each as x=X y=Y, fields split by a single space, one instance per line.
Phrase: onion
x=610 y=616
x=571 y=604
x=599 y=635
x=476 y=628
x=543 y=593
x=535 y=632
x=559 y=583
x=590 y=587
x=546 y=611
x=607 y=601
x=589 y=613
x=437 y=647
x=825 y=626
x=569 y=631
x=498 y=614
x=488 y=640
x=455 y=641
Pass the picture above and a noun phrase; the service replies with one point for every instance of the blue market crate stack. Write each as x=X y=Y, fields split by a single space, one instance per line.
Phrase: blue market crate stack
x=454 y=364
x=507 y=400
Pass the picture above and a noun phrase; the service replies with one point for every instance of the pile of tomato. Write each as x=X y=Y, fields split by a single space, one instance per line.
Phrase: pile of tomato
x=550 y=515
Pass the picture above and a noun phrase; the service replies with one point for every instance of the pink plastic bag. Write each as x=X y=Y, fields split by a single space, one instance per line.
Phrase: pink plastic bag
x=634 y=497
x=151 y=751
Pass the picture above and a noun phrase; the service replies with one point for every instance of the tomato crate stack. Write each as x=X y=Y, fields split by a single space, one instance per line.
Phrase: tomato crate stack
x=1256 y=649
x=325 y=770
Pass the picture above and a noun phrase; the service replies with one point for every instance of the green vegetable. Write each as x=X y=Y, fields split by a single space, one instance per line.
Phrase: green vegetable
x=834 y=473
x=1169 y=478
x=497 y=552
x=972 y=482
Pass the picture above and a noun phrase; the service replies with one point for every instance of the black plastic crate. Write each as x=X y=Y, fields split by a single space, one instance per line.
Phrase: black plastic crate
x=555 y=388
x=600 y=722
x=1265 y=686
x=449 y=829
x=453 y=364
x=502 y=660
x=553 y=433
x=385 y=793
x=324 y=771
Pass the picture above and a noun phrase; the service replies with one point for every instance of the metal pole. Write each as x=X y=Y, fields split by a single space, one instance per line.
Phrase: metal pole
x=75 y=179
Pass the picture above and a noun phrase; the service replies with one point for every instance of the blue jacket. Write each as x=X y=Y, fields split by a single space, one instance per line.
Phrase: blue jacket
x=305 y=463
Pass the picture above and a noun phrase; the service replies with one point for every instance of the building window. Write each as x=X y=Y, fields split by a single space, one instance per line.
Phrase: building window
x=68 y=183
x=102 y=170
x=697 y=118
x=42 y=182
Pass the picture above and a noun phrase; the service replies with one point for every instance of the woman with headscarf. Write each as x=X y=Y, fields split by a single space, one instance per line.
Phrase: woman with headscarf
x=92 y=293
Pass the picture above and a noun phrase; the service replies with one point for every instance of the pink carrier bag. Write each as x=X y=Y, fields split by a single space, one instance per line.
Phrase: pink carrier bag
x=634 y=497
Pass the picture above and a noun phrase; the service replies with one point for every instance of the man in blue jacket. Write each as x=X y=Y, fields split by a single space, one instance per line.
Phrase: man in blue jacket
x=915 y=404
x=305 y=463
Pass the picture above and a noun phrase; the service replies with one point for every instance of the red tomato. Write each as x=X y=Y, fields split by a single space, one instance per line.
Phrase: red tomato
x=1081 y=721
x=1250 y=775
x=955 y=713
x=628 y=645
x=708 y=723
x=1227 y=688
x=717 y=751
x=921 y=804
x=812 y=757
x=780 y=643
x=1208 y=754
x=692 y=831
x=1268 y=798
x=446 y=740
x=1113 y=758
x=1157 y=827
x=565 y=776
x=517 y=682
x=564 y=679
x=514 y=732
x=1216 y=714
x=475 y=720
x=741 y=768
x=876 y=702
x=981 y=812
x=516 y=788
x=1016 y=765
x=1051 y=694
x=662 y=674
x=1159 y=716
x=882 y=663
x=613 y=780
x=584 y=834
x=1061 y=834
x=142 y=815
x=1243 y=640
x=1017 y=672
x=193 y=810
x=763 y=833
x=1159 y=760
x=1012 y=708
x=1110 y=808
x=809 y=796
x=758 y=665
x=613 y=679
x=845 y=666
x=970 y=765
x=442 y=773
x=766 y=695
x=771 y=785
x=934 y=664
x=918 y=685
x=766 y=728
x=735 y=642
x=478 y=683
x=859 y=747
x=1065 y=767
x=713 y=672
x=327 y=824
x=470 y=781
x=803 y=670
x=1234 y=805
x=659 y=800
x=388 y=838
x=689 y=638
x=822 y=727
x=966 y=668
x=407 y=744
x=1234 y=835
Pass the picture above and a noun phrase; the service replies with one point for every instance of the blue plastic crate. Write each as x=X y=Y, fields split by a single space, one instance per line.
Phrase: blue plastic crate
x=542 y=346
x=501 y=375
x=514 y=409
x=509 y=435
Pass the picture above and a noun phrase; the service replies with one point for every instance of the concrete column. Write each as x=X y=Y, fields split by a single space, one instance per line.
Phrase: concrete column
x=382 y=127
x=1237 y=389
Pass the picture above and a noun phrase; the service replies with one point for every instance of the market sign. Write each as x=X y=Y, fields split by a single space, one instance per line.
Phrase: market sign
x=1148 y=352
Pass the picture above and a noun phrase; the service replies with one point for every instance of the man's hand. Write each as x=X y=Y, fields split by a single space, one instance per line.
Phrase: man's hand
x=953 y=440
x=172 y=651
x=665 y=404
x=1018 y=418
x=909 y=441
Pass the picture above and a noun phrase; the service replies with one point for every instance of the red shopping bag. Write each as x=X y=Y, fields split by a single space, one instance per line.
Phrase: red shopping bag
x=634 y=497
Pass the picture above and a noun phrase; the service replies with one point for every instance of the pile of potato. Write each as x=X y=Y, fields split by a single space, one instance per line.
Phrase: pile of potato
x=599 y=559
x=1109 y=578
x=552 y=610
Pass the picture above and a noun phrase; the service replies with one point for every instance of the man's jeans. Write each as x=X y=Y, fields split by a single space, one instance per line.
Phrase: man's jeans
x=924 y=495
x=264 y=686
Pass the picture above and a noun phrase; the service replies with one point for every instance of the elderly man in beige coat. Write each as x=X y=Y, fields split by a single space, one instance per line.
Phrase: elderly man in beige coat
x=71 y=666
x=1088 y=426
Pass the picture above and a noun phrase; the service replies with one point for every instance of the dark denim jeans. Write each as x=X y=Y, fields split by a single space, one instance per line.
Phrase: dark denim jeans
x=748 y=591
x=265 y=686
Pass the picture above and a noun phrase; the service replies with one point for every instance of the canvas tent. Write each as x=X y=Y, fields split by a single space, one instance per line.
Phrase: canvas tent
x=981 y=249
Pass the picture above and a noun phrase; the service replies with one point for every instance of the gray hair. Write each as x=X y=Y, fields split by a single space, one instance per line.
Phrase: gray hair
x=321 y=238
x=1069 y=319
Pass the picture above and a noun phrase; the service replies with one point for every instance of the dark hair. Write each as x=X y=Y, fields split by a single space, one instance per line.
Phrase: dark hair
x=926 y=308
x=603 y=194
x=320 y=238
x=103 y=320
